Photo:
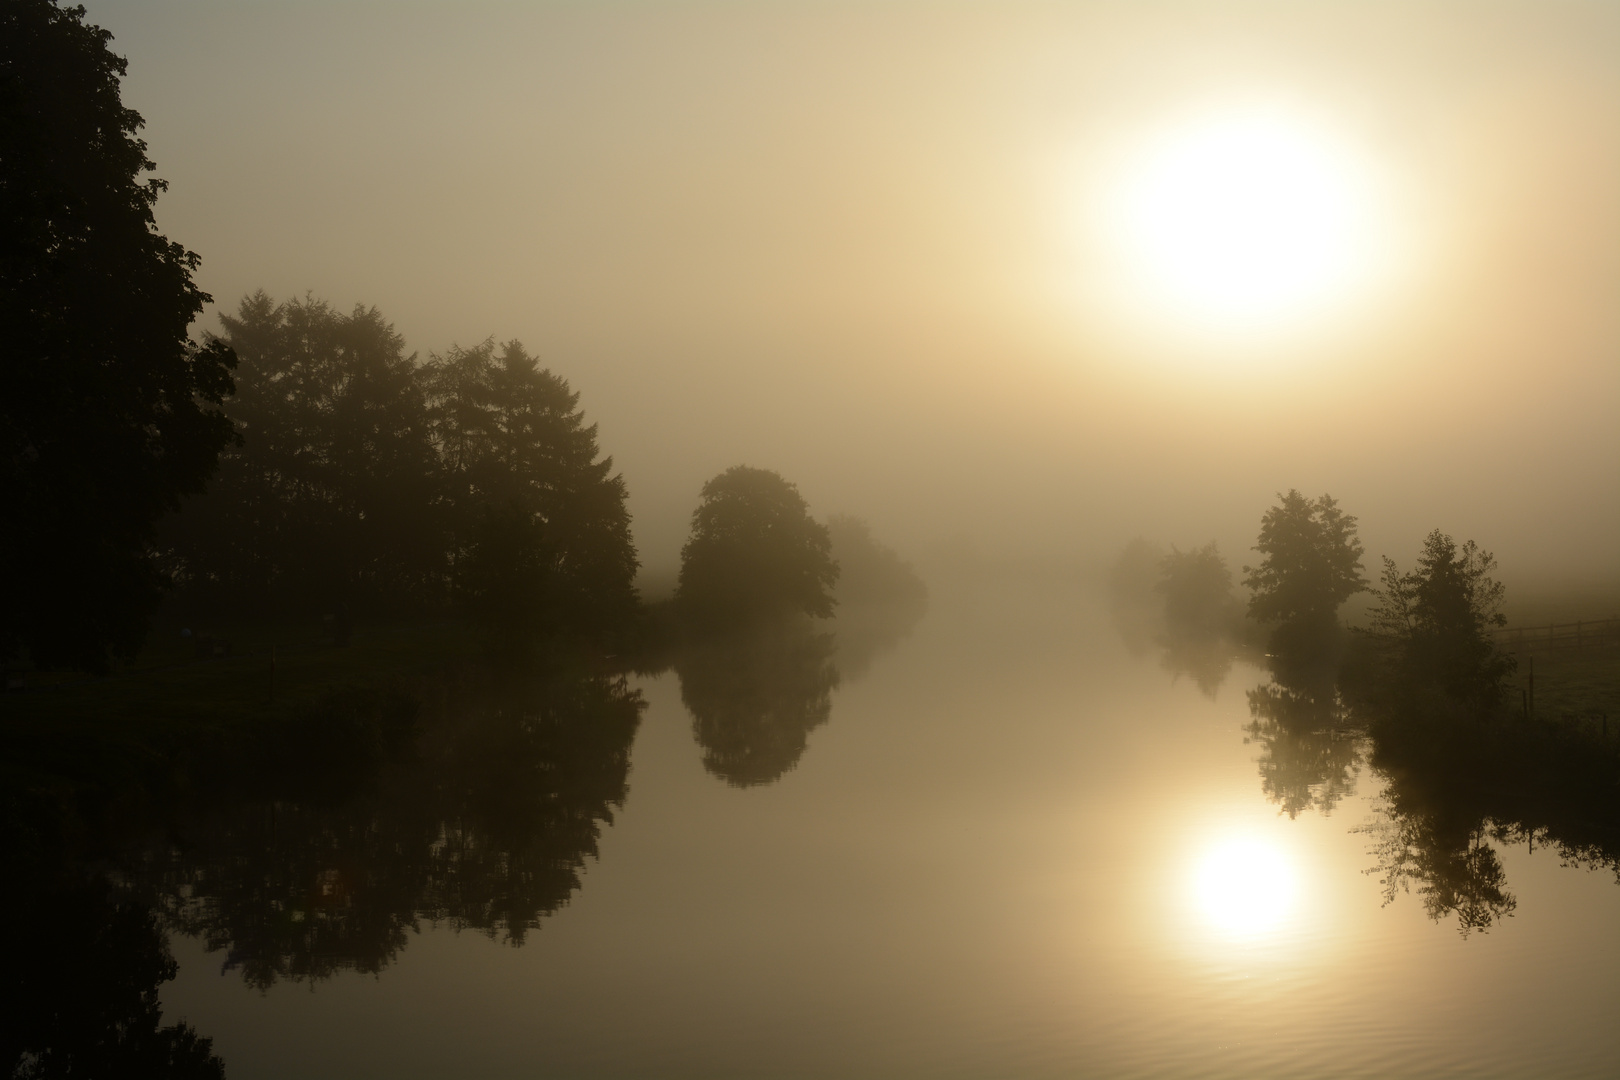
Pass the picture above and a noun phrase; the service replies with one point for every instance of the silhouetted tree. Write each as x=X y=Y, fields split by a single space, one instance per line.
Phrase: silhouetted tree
x=514 y=443
x=506 y=579
x=1311 y=566
x=1435 y=621
x=755 y=696
x=754 y=552
x=108 y=413
x=333 y=495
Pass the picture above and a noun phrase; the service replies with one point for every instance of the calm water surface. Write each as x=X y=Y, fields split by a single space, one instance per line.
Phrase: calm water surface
x=1013 y=849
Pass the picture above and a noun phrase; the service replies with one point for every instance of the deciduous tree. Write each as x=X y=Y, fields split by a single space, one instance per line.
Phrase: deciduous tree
x=754 y=552
x=334 y=493
x=1311 y=565
x=109 y=413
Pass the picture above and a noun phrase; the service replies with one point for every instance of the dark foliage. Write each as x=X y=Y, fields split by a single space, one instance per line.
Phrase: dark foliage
x=109 y=413
x=754 y=553
x=506 y=579
x=484 y=825
x=1431 y=627
x=84 y=962
x=1311 y=566
x=313 y=845
x=1456 y=781
x=369 y=480
x=520 y=461
x=333 y=495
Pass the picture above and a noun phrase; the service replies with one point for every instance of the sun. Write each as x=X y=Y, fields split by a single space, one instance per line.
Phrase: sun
x=1243 y=219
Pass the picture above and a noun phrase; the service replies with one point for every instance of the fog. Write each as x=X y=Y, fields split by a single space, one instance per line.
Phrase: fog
x=850 y=243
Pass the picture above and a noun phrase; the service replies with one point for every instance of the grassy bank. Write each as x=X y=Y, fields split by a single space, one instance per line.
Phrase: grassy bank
x=1575 y=687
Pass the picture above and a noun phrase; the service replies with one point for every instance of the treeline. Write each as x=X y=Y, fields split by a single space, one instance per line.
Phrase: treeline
x=362 y=477
x=1419 y=691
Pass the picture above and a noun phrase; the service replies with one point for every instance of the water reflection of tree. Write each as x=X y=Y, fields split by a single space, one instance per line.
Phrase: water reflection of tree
x=1310 y=755
x=1449 y=862
x=756 y=696
x=84 y=961
x=486 y=826
x=1463 y=769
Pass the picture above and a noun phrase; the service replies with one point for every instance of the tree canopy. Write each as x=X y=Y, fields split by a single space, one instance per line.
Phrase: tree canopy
x=518 y=458
x=754 y=552
x=367 y=478
x=1437 y=620
x=110 y=412
x=332 y=496
x=1311 y=563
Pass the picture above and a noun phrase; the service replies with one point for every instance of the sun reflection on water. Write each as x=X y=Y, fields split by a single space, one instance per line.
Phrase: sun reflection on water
x=1244 y=887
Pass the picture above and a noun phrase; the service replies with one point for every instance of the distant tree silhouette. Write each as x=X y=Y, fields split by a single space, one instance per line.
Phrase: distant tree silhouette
x=871 y=573
x=1197 y=590
x=1133 y=600
x=754 y=552
x=334 y=494
x=108 y=413
x=514 y=444
x=1311 y=566
x=880 y=596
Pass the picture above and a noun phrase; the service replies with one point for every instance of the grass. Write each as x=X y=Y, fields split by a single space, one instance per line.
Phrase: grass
x=1575 y=686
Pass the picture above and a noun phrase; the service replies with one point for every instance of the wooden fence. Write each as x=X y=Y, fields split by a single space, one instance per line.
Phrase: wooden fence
x=1575 y=635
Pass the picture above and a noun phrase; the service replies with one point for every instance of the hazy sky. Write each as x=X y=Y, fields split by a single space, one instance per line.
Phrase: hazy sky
x=877 y=247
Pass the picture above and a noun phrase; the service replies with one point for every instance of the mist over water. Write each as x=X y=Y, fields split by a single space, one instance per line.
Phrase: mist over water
x=855 y=245
x=844 y=540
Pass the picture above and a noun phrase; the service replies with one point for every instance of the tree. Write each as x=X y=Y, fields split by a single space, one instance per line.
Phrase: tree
x=334 y=493
x=1311 y=566
x=754 y=552
x=506 y=579
x=1197 y=590
x=513 y=441
x=109 y=412
x=1437 y=620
